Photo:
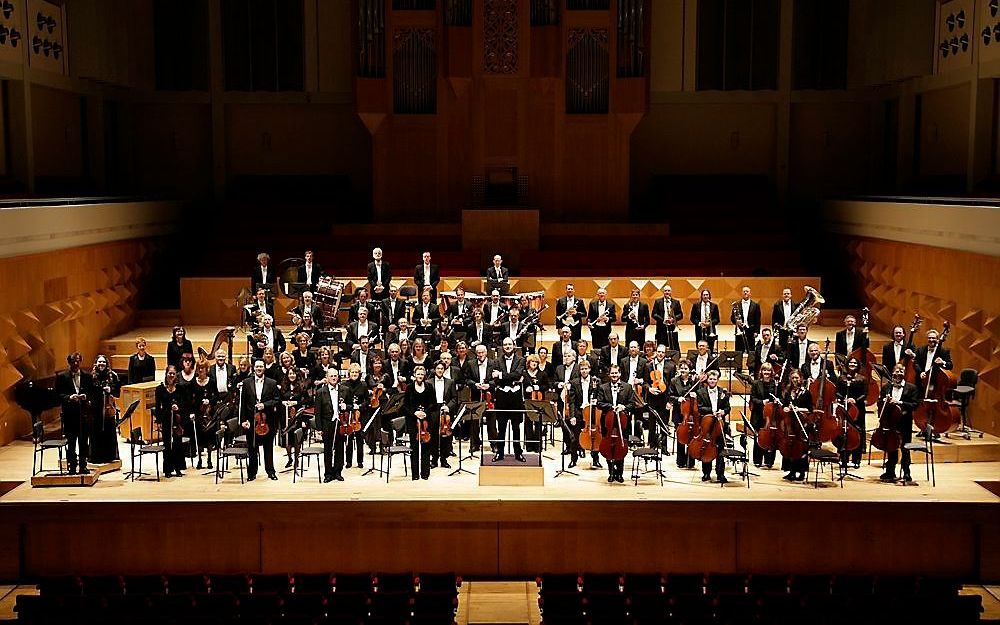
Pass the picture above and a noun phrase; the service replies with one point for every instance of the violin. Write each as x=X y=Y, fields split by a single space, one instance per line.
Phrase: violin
x=886 y=436
x=344 y=423
x=355 y=422
x=824 y=393
x=376 y=398
x=260 y=426
x=866 y=359
x=911 y=375
x=423 y=433
x=445 y=428
x=614 y=446
x=934 y=408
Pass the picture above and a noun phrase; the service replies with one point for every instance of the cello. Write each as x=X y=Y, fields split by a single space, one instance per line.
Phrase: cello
x=886 y=435
x=822 y=390
x=590 y=436
x=705 y=447
x=866 y=359
x=934 y=407
x=794 y=440
x=849 y=435
x=614 y=446
x=769 y=436
x=687 y=429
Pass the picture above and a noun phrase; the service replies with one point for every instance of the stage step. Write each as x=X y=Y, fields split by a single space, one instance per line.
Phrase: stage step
x=65 y=479
x=510 y=472
x=501 y=603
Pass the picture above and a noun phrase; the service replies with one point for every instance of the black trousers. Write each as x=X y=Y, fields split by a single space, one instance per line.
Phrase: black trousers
x=905 y=436
x=720 y=466
x=78 y=437
x=514 y=421
x=266 y=443
x=795 y=465
x=533 y=433
x=333 y=451
x=420 y=456
x=355 y=440
x=599 y=336
x=683 y=460
x=668 y=339
x=761 y=455
x=639 y=336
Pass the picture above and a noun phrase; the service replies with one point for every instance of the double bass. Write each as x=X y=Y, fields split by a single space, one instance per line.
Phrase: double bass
x=793 y=440
x=866 y=359
x=847 y=414
x=824 y=393
x=614 y=446
x=886 y=436
x=935 y=408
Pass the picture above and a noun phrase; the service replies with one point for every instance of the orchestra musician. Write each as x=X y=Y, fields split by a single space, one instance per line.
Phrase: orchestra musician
x=294 y=392
x=259 y=394
x=762 y=393
x=426 y=315
x=544 y=364
x=420 y=357
x=104 y=432
x=479 y=332
x=565 y=345
x=243 y=371
x=583 y=392
x=563 y=378
x=635 y=314
x=617 y=397
x=306 y=328
x=535 y=381
x=74 y=388
x=394 y=310
x=601 y=314
x=443 y=336
x=362 y=327
x=427 y=275
x=265 y=337
x=222 y=376
x=379 y=277
x=379 y=383
x=330 y=402
x=852 y=387
x=201 y=402
x=667 y=312
x=363 y=355
x=746 y=317
x=798 y=399
x=478 y=376
x=712 y=399
x=178 y=346
x=514 y=329
x=306 y=305
x=187 y=373
x=850 y=339
x=583 y=353
x=417 y=401
x=507 y=379
x=797 y=349
x=260 y=306
x=361 y=302
x=309 y=272
x=931 y=354
x=357 y=398
x=765 y=351
x=814 y=367
x=705 y=317
x=141 y=364
x=263 y=274
x=303 y=359
x=656 y=398
x=498 y=277
x=907 y=397
x=678 y=391
x=396 y=367
x=570 y=312
x=324 y=362
x=445 y=403
x=461 y=357
x=780 y=314
x=611 y=354
x=169 y=400
x=704 y=360
x=272 y=368
x=494 y=311
x=459 y=313
x=896 y=350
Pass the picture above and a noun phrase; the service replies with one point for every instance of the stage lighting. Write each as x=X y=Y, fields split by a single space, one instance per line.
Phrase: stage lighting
x=949 y=22
x=3 y=34
x=45 y=22
x=7 y=7
x=959 y=19
x=987 y=36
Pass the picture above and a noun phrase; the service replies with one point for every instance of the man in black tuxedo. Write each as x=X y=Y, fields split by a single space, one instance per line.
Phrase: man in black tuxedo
x=459 y=313
x=766 y=350
x=479 y=377
x=573 y=321
x=930 y=355
x=509 y=396
x=260 y=394
x=309 y=272
x=493 y=311
x=361 y=301
x=896 y=351
x=635 y=314
x=705 y=317
x=264 y=275
x=584 y=391
x=331 y=401
x=445 y=402
x=797 y=349
x=780 y=314
x=395 y=309
x=427 y=275
x=515 y=330
x=610 y=354
x=601 y=314
x=260 y=306
x=379 y=276
x=655 y=397
x=714 y=400
x=307 y=305
x=907 y=397
x=814 y=367
x=479 y=332
x=363 y=354
x=426 y=316
x=73 y=387
x=498 y=277
x=565 y=345
x=746 y=317
x=272 y=336
x=667 y=312
x=618 y=397
x=362 y=327
x=222 y=376
x=850 y=338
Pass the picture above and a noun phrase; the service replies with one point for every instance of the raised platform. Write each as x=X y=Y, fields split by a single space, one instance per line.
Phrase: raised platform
x=65 y=479
x=190 y=524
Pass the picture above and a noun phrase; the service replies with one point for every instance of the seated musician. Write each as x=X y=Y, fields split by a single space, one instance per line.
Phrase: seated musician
x=324 y=362
x=907 y=397
x=478 y=332
x=443 y=335
x=583 y=353
x=307 y=305
x=762 y=393
x=426 y=315
x=379 y=276
x=307 y=326
x=494 y=311
x=304 y=360
x=255 y=310
x=362 y=327
x=263 y=274
x=498 y=277
x=267 y=336
x=852 y=387
x=459 y=312
x=363 y=355
x=310 y=271
x=712 y=399
x=612 y=353
x=361 y=303
x=514 y=329
x=619 y=397
x=850 y=338
x=396 y=367
x=766 y=351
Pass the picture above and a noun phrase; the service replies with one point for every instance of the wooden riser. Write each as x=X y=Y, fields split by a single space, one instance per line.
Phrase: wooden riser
x=511 y=476
x=99 y=469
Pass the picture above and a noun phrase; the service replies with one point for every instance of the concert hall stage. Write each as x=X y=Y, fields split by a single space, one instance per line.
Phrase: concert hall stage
x=572 y=523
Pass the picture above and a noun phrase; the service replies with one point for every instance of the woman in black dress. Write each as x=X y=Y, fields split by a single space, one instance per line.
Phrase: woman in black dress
x=796 y=396
x=303 y=359
x=419 y=397
x=379 y=383
x=535 y=383
x=677 y=392
x=169 y=403
x=202 y=396
x=141 y=365
x=294 y=390
x=104 y=435
x=179 y=346
x=271 y=367
x=763 y=391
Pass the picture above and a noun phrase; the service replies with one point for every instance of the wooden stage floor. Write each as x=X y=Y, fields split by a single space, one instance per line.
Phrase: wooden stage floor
x=447 y=523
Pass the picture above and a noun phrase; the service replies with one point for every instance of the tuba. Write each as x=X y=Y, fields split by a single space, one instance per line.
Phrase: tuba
x=807 y=312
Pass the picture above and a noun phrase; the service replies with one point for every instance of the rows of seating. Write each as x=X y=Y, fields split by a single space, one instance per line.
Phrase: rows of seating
x=253 y=599
x=693 y=599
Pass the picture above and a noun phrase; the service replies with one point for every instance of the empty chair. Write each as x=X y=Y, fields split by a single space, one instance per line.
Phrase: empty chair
x=190 y=584
x=235 y=584
x=352 y=583
x=645 y=583
x=809 y=584
x=270 y=584
x=390 y=607
x=428 y=605
x=42 y=444
x=349 y=606
x=606 y=606
x=561 y=604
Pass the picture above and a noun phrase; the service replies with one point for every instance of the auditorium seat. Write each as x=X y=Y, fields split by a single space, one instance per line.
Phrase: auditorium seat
x=645 y=583
x=352 y=583
x=311 y=583
x=725 y=583
x=607 y=582
x=392 y=582
x=437 y=582
x=560 y=582
x=685 y=584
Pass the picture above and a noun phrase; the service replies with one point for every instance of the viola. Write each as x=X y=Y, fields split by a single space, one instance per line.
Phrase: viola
x=423 y=432
x=614 y=446
x=866 y=359
x=355 y=422
x=260 y=426
x=590 y=436
x=935 y=408
x=177 y=424
x=445 y=426
x=886 y=436
x=656 y=381
x=824 y=393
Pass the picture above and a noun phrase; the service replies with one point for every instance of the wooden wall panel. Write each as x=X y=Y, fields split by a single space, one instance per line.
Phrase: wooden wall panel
x=59 y=302
x=898 y=279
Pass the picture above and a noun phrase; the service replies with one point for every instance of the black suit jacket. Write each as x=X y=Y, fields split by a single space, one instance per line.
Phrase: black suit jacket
x=860 y=340
x=279 y=344
x=641 y=369
x=752 y=321
x=696 y=316
x=610 y=310
x=908 y=401
x=488 y=312
x=561 y=307
x=474 y=336
x=373 y=280
x=660 y=314
x=806 y=370
x=471 y=376
x=497 y=280
x=705 y=403
x=353 y=335
x=73 y=411
x=778 y=313
x=433 y=314
x=512 y=377
x=576 y=391
x=450 y=397
x=557 y=352
x=213 y=376
x=920 y=361
x=269 y=396
x=774 y=354
x=795 y=350
x=626 y=397
x=418 y=277
x=257 y=277
x=642 y=315
x=889 y=355
x=605 y=356
x=326 y=413
x=316 y=273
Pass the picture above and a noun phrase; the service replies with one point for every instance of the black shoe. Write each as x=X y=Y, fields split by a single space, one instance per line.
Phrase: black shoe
x=339 y=478
x=706 y=478
x=768 y=466
x=84 y=471
x=177 y=473
x=474 y=449
x=250 y=478
x=597 y=464
x=790 y=477
x=801 y=477
x=723 y=480
x=856 y=464
x=887 y=477
x=445 y=465
x=210 y=465
x=349 y=465
x=611 y=478
x=519 y=457
x=907 y=478
x=756 y=465
x=73 y=472
x=287 y=464
x=199 y=465
x=571 y=464
x=415 y=478
x=425 y=477
x=434 y=464
x=620 y=479
x=361 y=465
x=327 y=479
x=498 y=458
x=272 y=476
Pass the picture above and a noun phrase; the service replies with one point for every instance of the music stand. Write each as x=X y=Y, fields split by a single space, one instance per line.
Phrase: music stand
x=118 y=423
x=673 y=354
x=544 y=412
x=371 y=420
x=478 y=409
x=458 y=421
x=727 y=360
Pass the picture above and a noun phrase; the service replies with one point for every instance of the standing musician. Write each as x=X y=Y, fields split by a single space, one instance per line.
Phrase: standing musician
x=780 y=315
x=426 y=315
x=850 y=339
x=380 y=388
x=445 y=404
x=104 y=437
x=324 y=362
x=427 y=275
x=797 y=348
x=852 y=387
x=507 y=381
x=179 y=346
x=766 y=351
x=357 y=395
x=564 y=376
x=611 y=354
x=494 y=310
x=535 y=381
x=362 y=327
x=635 y=314
x=263 y=273
x=678 y=392
x=667 y=312
x=272 y=367
x=417 y=402
x=363 y=355
x=379 y=277
x=330 y=402
x=303 y=359
x=816 y=364
x=617 y=397
x=583 y=353
x=295 y=397
x=714 y=400
x=703 y=360
x=746 y=317
x=395 y=309
x=762 y=393
x=514 y=329
x=169 y=399
x=141 y=364
x=257 y=308
x=545 y=365
x=705 y=317
x=266 y=336
x=459 y=313
x=896 y=350
x=396 y=367
x=931 y=354
x=583 y=392
x=796 y=396
x=202 y=399
x=478 y=375
x=565 y=345
x=634 y=369
x=222 y=375
x=259 y=395
x=656 y=398
x=306 y=305
x=570 y=312
x=310 y=271
x=74 y=388
x=362 y=303
x=907 y=397
x=479 y=332
x=498 y=277
x=601 y=314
